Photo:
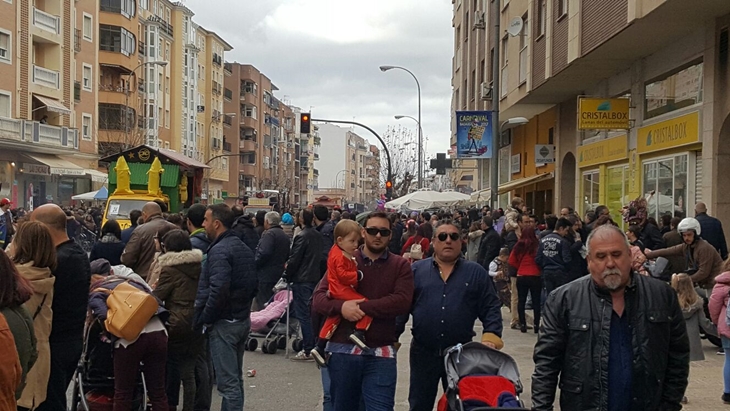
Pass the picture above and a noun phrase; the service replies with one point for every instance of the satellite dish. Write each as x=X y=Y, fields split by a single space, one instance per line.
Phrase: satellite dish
x=515 y=26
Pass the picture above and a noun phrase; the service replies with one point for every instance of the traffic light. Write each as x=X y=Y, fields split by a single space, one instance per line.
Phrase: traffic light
x=388 y=190
x=305 y=126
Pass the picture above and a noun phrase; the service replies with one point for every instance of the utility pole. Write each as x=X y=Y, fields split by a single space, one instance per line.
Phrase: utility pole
x=493 y=175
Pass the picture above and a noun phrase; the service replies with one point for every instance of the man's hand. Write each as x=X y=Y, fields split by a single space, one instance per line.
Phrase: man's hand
x=351 y=310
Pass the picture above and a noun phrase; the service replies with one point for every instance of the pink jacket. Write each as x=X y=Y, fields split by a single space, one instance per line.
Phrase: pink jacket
x=637 y=260
x=718 y=303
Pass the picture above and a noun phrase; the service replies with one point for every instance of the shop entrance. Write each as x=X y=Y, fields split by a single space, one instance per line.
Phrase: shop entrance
x=567 y=182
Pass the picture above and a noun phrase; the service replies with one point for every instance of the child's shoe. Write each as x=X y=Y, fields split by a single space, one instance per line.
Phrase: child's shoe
x=320 y=357
x=358 y=337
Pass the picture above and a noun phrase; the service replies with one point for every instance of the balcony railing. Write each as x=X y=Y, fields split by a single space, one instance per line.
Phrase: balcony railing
x=217 y=88
x=228 y=94
x=142 y=48
x=523 y=65
x=503 y=82
x=45 y=21
x=45 y=77
x=228 y=68
x=227 y=146
x=34 y=132
x=227 y=120
x=77 y=40
x=164 y=26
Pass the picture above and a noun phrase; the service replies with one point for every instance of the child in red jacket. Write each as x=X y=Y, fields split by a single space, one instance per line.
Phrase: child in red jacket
x=343 y=277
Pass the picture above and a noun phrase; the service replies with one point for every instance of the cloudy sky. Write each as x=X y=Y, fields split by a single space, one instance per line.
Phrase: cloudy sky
x=325 y=54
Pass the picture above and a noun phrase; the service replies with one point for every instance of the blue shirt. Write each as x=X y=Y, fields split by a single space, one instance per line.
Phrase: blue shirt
x=444 y=312
x=620 y=371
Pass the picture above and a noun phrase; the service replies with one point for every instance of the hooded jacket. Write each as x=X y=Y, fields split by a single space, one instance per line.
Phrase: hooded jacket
x=177 y=288
x=701 y=255
x=73 y=275
x=21 y=325
x=39 y=306
x=244 y=229
x=718 y=303
x=200 y=241
x=272 y=254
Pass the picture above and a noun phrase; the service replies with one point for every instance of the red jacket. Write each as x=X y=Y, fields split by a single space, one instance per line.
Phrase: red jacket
x=412 y=240
x=341 y=272
x=525 y=264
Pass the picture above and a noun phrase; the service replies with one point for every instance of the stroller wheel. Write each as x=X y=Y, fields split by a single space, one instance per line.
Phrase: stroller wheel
x=296 y=345
x=264 y=348
x=252 y=344
x=271 y=346
x=281 y=342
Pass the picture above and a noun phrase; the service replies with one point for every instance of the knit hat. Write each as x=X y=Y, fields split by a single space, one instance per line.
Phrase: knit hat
x=287 y=219
x=101 y=266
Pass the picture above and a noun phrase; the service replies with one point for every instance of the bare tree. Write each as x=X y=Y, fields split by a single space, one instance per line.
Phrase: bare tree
x=116 y=135
x=402 y=145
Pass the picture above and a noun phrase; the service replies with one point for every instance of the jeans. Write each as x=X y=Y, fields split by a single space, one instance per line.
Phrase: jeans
x=65 y=357
x=553 y=279
x=204 y=378
x=327 y=398
x=150 y=349
x=726 y=368
x=227 y=341
x=427 y=369
x=533 y=285
x=362 y=377
x=302 y=295
x=513 y=302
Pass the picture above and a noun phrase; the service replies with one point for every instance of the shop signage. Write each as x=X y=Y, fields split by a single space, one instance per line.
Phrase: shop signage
x=603 y=113
x=604 y=151
x=67 y=171
x=36 y=169
x=515 y=163
x=676 y=132
x=544 y=154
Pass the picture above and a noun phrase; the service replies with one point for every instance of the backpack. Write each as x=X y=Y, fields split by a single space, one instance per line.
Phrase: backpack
x=416 y=252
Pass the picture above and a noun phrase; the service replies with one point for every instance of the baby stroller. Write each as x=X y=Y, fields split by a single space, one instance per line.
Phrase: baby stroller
x=271 y=325
x=480 y=378
x=93 y=382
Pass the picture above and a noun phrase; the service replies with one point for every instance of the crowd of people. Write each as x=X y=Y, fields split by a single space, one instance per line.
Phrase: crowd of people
x=613 y=333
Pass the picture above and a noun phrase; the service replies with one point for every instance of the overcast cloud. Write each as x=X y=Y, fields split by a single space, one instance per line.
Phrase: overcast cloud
x=325 y=54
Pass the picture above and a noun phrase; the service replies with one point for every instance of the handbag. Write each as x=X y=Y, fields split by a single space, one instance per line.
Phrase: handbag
x=130 y=309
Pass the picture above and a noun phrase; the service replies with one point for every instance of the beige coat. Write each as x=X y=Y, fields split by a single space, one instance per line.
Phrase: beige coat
x=42 y=281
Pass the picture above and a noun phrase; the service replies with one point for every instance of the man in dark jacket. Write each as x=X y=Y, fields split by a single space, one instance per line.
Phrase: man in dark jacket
x=71 y=291
x=260 y=218
x=325 y=227
x=712 y=230
x=302 y=272
x=554 y=256
x=651 y=237
x=195 y=218
x=245 y=230
x=271 y=256
x=633 y=320
x=223 y=303
x=134 y=216
x=394 y=246
x=490 y=243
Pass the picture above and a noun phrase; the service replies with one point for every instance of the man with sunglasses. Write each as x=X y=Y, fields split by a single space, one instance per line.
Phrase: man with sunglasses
x=387 y=283
x=450 y=294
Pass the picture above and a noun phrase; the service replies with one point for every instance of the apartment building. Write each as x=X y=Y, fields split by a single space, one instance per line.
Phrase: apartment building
x=264 y=135
x=212 y=147
x=347 y=166
x=47 y=101
x=675 y=75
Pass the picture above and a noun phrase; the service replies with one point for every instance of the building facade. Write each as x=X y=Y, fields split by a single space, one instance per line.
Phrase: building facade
x=676 y=78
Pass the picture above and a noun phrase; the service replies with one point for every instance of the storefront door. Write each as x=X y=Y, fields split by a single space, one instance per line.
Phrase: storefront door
x=665 y=185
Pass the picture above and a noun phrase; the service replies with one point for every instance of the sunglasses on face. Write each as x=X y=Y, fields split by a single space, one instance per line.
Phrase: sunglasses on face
x=384 y=232
x=444 y=236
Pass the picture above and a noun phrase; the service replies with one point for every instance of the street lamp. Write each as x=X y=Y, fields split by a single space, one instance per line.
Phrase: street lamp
x=337 y=182
x=210 y=124
x=420 y=131
x=494 y=184
x=126 y=94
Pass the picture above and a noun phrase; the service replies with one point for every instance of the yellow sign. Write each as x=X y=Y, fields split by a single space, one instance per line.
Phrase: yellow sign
x=258 y=201
x=604 y=151
x=676 y=132
x=603 y=113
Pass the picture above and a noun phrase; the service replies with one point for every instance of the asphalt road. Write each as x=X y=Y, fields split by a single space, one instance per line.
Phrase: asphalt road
x=282 y=385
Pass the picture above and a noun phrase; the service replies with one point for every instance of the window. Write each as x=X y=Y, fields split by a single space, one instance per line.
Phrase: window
x=112 y=117
x=472 y=90
x=123 y=7
x=250 y=111
x=562 y=8
x=86 y=126
x=667 y=178
x=167 y=118
x=117 y=39
x=466 y=27
x=5 y=104
x=144 y=4
x=541 y=14
x=591 y=190
x=87 y=77
x=466 y=92
x=675 y=91
x=483 y=71
x=458 y=38
x=88 y=27
x=5 y=47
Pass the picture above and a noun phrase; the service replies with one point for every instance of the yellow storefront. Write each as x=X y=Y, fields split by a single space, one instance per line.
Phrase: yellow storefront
x=670 y=164
x=605 y=175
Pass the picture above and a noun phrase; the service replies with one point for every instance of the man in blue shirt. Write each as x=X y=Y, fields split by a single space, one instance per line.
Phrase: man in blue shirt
x=450 y=294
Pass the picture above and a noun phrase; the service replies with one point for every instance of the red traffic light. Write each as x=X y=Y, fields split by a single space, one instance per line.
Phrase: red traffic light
x=388 y=184
x=305 y=126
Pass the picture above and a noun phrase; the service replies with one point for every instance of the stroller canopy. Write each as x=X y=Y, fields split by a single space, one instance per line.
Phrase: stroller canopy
x=476 y=358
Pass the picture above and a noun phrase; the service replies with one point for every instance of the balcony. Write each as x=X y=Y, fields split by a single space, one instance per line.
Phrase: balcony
x=249 y=122
x=45 y=21
x=26 y=132
x=523 y=65
x=247 y=169
x=247 y=145
x=315 y=171
x=77 y=40
x=111 y=94
x=227 y=120
x=142 y=48
x=45 y=77
x=228 y=68
x=504 y=76
x=165 y=27
x=228 y=94
x=317 y=141
x=248 y=98
x=227 y=146
x=217 y=88
x=316 y=156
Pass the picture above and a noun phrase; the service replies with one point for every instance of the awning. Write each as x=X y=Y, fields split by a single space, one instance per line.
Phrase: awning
x=183 y=160
x=96 y=175
x=53 y=105
x=58 y=165
x=514 y=184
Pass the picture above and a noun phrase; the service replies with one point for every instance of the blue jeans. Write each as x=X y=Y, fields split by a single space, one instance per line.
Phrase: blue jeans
x=227 y=341
x=327 y=398
x=362 y=377
x=726 y=369
x=301 y=308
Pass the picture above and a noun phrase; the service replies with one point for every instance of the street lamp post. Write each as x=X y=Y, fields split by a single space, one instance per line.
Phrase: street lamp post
x=420 y=131
x=210 y=124
x=337 y=181
x=126 y=94
x=420 y=153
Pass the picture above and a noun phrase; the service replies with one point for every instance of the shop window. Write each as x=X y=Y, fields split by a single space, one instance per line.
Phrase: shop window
x=674 y=91
x=617 y=189
x=591 y=190
x=665 y=185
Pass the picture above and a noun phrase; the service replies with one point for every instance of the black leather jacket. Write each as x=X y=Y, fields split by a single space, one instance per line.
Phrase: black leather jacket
x=574 y=344
x=306 y=253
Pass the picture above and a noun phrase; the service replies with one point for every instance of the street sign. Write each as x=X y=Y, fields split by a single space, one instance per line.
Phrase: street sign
x=544 y=154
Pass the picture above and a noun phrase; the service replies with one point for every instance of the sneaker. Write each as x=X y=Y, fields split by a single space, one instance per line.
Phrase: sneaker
x=721 y=351
x=358 y=337
x=302 y=356
x=684 y=400
x=726 y=398
x=514 y=326
x=319 y=357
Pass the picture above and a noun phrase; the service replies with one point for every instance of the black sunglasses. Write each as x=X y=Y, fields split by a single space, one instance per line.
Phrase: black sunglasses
x=384 y=232
x=443 y=236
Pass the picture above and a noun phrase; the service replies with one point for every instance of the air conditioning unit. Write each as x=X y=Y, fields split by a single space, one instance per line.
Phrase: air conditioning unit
x=486 y=91
x=479 y=22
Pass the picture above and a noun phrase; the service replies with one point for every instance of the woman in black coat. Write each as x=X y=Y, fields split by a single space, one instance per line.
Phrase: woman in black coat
x=110 y=245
